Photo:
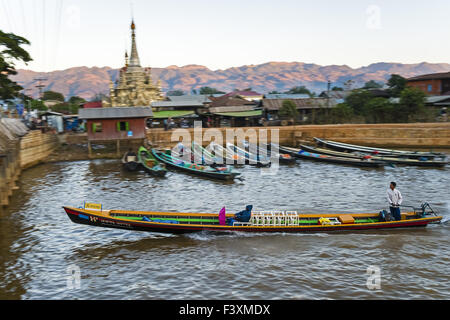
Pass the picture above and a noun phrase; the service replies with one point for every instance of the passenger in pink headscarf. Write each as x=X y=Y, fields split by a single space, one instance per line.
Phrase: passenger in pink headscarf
x=222 y=217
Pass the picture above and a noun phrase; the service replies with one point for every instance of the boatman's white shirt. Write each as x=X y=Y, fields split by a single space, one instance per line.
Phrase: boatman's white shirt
x=394 y=197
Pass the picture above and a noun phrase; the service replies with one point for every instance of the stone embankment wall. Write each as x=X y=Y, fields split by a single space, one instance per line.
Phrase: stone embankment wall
x=11 y=130
x=36 y=147
x=20 y=149
x=412 y=135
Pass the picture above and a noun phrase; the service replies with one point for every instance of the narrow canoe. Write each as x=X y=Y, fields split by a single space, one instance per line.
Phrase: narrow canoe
x=268 y=221
x=228 y=156
x=250 y=158
x=299 y=153
x=197 y=169
x=267 y=150
x=339 y=146
x=400 y=161
x=150 y=163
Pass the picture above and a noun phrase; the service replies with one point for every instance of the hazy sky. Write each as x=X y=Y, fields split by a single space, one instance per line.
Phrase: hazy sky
x=223 y=34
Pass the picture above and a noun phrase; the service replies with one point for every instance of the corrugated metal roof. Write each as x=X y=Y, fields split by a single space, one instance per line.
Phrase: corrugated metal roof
x=243 y=93
x=116 y=112
x=432 y=76
x=176 y=104
x=200 y=98
x=286 y=96
x=435 y=99
x=311 y=103
x=232 y=109
x=253 y=113
x=172 y=114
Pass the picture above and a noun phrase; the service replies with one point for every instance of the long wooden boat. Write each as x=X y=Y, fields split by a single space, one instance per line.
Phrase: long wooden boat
x=230 y=157
x=267 y=151
x=197 y=169
x=263 y=221
x=250 y=158
x=302 y=154
x=130 y=163
x=400 y=161
x=339 y=146
x=150 y=163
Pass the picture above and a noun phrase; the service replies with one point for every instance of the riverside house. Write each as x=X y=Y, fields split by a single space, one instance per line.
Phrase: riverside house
x=115 y=124
x=432 y=84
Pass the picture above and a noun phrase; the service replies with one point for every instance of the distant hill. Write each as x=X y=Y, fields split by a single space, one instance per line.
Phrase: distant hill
x=281 y=76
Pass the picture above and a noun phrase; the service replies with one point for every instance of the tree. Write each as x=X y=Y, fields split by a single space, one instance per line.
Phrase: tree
x=337 y=89
x=208 y=90
x=396 y=84
x=66 y=108
x=53 y=95
x=412 y=103
x=76 y=100
x=10 y=52
x=175 y=93
x=274 y=92
x=349 y=84
x=288 y=110
x=299 y=90
x=372 y=85
x=38 y=105
x=357 y=101
x=342 y=113
x=379 y=110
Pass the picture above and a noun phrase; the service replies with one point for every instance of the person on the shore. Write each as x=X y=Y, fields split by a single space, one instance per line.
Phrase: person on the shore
x=395 y=200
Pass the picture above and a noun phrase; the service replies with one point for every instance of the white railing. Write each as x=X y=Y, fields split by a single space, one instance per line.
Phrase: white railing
x=272 y=218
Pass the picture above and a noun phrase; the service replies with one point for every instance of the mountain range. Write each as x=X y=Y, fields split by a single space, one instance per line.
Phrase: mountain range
x=280 y=76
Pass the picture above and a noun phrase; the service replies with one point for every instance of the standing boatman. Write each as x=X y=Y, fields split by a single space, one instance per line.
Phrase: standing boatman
x=395 y=200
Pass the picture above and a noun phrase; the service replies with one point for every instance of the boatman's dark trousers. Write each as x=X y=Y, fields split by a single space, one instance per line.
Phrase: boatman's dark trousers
x=395 y=211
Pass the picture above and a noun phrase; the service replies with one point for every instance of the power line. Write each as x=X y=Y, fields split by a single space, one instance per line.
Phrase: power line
x=5 y=10
x=40 y=86
x=58 y=29
x=23 y=19
x=44 y=62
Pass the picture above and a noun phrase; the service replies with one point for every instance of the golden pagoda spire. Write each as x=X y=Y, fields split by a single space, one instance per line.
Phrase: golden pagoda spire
x=134 y=57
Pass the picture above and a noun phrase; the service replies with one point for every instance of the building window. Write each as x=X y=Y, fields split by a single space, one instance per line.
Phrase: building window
x=97 y=127
x=123 y=126
x=430 y=88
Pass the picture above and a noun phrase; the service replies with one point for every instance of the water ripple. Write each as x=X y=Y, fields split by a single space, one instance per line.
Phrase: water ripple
x=39 y=243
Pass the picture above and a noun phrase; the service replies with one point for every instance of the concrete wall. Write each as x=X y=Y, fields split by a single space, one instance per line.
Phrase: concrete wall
x=11 y=130
x=20 y=152
x=415 y=135
x=36 y=146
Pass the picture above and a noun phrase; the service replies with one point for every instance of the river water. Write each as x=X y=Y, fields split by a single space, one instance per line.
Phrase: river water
x=42 y=251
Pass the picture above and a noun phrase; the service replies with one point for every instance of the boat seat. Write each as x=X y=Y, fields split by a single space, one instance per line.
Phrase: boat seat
x=150 y=163
x=292 y=218
x=346 y=219
x=279 y=218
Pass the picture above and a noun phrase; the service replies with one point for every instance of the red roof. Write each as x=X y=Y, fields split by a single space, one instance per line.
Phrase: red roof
x=95 y=104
